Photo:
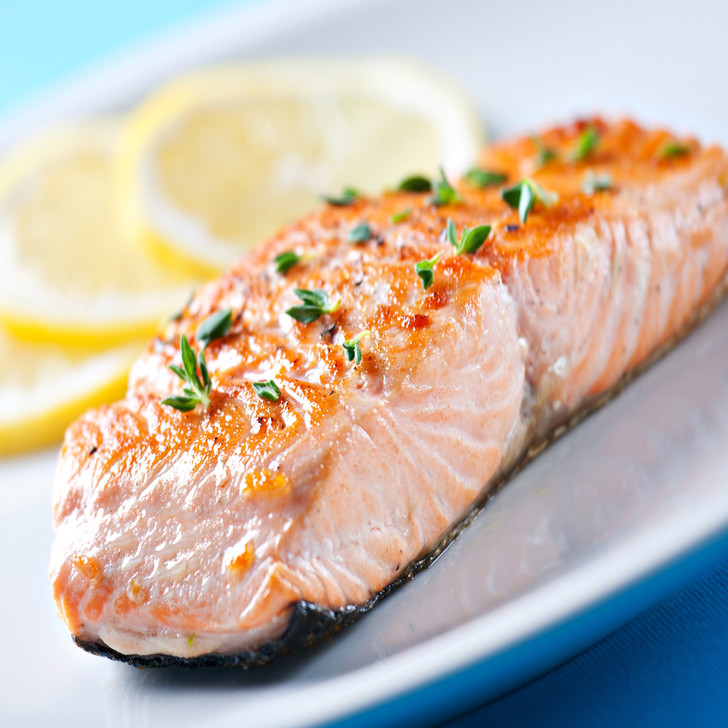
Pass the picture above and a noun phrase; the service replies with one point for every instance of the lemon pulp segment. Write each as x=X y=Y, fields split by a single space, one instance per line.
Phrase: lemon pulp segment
x=217 y=161
x=67 y=273
x=45 y=386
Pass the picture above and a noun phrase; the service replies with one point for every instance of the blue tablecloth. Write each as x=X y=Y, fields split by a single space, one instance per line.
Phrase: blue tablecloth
x=666 y=667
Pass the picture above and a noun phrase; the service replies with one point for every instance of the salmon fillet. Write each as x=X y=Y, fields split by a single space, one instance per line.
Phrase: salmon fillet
x=214 y=534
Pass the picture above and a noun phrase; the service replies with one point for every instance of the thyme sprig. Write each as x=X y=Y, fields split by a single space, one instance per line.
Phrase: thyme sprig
x=485 y=177
x=401 y=216
x=267 y=390
x=214 y=327
x=315 y=304
x=285 y=261
x=289 y=259
x=346 y=198
x=544 y=154
x=586 y=144
x=425 y=269
x=671 y=149
x=470 y=240
x=198 y=386
x=359 y=233
x=352 y=348
x=596 y=183
x=415 y=183
x=523 y=195
x=444 y=192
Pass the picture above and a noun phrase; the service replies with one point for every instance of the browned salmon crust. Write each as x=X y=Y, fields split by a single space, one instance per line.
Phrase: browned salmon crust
x=234 y=532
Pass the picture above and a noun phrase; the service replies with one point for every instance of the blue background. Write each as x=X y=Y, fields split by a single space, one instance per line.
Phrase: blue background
x=42 y=41
x=666 y=667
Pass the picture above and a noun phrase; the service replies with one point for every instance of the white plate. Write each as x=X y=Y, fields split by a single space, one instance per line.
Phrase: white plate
x=586 y=536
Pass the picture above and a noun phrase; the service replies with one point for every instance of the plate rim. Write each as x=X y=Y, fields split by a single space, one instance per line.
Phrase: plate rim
x=488 y=635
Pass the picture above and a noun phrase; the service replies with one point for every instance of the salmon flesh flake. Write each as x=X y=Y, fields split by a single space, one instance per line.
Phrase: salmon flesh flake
x=235 y=532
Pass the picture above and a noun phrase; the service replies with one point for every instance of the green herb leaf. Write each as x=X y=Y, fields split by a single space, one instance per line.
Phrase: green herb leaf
x=445 y=193
x=206 y=382
x=596 y=183
x=425 y=270
x=285 y=261
x=544 y=154
x=359 y=234
x=485 y=177
x=214 y=327
x=267 y=390
x=586 y=144
x=189 y=363
x=671 y=149
x=183 y=403
x=415 y=183
x=347 y=197
x=545 y=197
x=524 y=195
x=178 y=371
x=352 y=348
x=520 y=197
x=401 y=216
x=313 y=297
x=470 y=240
x=197 y=391
x=452 y=233
x=315 y=304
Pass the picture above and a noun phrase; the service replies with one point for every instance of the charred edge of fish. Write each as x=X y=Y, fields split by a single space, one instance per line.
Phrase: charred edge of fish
x=311 y=624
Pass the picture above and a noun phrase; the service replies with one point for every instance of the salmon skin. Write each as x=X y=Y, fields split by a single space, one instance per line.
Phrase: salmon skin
x=234 y=532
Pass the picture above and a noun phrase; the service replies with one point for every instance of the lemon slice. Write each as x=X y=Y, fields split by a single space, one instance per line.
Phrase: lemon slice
x=45 y=386
x=216 y=161
x=66 y=273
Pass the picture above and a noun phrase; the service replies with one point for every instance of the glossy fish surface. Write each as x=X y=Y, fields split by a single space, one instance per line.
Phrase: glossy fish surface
x=210 y=534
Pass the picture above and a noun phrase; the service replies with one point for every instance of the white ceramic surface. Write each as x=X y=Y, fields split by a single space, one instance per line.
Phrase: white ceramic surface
x=633 y=488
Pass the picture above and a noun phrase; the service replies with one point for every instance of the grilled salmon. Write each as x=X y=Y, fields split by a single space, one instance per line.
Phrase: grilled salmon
x=369 y=392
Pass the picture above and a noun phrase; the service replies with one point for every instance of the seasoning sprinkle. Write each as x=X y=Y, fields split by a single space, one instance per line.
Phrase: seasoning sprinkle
x=425 y=269
x=267 y=390
x=315 y=304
